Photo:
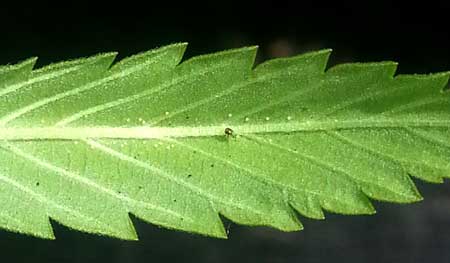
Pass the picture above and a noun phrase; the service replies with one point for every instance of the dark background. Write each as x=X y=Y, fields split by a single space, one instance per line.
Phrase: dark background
x=415 y=35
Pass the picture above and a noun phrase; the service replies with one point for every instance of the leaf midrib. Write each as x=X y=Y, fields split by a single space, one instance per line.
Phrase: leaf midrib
x=145 y=132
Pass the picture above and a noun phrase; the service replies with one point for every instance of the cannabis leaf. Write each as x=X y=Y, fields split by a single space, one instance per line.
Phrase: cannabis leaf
x=86 y=143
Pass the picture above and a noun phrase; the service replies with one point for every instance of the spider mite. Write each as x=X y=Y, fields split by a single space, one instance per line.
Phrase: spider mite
x=229 y=132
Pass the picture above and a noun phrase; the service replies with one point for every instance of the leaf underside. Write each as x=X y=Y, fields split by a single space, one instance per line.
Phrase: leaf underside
x=85 y=142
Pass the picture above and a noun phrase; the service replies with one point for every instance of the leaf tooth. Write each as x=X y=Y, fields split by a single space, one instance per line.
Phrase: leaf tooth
x=21 y=226
x=404 y=191
x=235 y=61
x=120 y=230
x=73 y=63
x=121 y=227
x=358 y=205
x=439 y=80
x=282 y=217
x=310 y=62
x=271 y=213
x=169 y=57
x=57 y=71
x=274 y=211
x=25 y=66
x=244 y=54
x=373 y=70
x=348 y=201
x=12 y=74
x=308 y=206
x=427 y=173
x=60 y=72
x=172 y=56
x=75 y=218
x=32 y=224
x=181 y=214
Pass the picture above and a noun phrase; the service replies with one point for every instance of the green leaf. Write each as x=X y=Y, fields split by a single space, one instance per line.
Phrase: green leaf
x=86 y=143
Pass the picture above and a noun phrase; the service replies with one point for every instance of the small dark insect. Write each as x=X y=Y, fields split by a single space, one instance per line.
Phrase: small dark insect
x=229 y=132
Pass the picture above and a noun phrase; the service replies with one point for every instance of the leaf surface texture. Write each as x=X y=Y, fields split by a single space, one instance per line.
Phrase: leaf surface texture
x=88 y=141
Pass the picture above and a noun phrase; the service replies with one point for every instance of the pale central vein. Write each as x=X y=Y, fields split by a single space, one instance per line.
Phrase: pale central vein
x=80 y=133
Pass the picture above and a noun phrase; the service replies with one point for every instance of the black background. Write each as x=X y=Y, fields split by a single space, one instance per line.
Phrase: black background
x=416 y=35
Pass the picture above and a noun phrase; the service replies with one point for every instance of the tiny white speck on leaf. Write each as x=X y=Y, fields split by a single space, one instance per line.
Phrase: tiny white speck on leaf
x=230 y=115
x=267 y=118
x=247 y=118
x=167 y=113
x=128 y=119
x=289 y=118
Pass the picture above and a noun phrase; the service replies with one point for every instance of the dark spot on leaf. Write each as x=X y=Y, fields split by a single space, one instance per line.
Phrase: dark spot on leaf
x=212 y=165
x=119 y=192
x=229 y=155
x=37 y=183
x=229 y=132
x=181 y=219
x=187 y=117
x=194 y=151
x=189 y=175
x=174 y=200
x=140 y=187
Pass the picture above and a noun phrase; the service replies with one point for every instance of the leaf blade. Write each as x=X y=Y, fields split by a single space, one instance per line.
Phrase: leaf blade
x=304 y=138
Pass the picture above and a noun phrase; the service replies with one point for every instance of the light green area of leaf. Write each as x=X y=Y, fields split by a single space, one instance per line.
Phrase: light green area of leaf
x=86 y=142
